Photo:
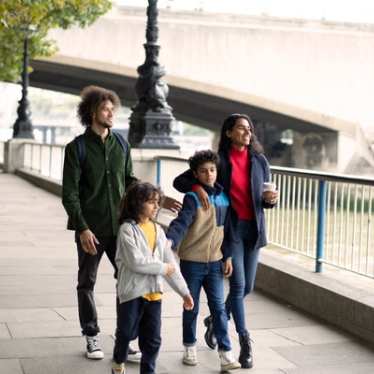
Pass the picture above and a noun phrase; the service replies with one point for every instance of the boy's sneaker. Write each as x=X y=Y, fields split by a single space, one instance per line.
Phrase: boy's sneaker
x=118 y=368
x=209 y=336
x=133 y=355
x=228 y=362
x=190 y=355
x=94 y=351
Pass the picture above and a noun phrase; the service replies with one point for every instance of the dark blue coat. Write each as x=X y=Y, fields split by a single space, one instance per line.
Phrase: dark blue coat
x=259 y=173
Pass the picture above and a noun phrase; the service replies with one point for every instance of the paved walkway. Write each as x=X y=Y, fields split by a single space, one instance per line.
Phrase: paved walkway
x=39 y=330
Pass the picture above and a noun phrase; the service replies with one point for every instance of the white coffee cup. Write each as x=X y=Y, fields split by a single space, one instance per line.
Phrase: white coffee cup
x=269 y=186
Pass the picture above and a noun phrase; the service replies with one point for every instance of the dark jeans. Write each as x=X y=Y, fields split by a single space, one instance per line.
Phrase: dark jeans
x=87 y=272
x=242 y=280
x=210 y=277
x=139 y=318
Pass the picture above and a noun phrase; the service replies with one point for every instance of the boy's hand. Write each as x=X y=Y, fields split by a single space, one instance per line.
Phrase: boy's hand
x=227 y=268
x=188 y=303
x=203 y=196
x=170 y=269
x=171 y=204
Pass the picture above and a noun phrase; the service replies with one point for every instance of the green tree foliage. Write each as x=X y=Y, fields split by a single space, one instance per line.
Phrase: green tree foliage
x=35 y=18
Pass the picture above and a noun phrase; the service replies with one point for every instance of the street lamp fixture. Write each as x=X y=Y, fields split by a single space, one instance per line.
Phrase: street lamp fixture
x=151 y=119
x=22 y=128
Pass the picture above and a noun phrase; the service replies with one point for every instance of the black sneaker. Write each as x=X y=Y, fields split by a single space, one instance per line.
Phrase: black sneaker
x=94 y=351
x=210 y=339
x=133 y=355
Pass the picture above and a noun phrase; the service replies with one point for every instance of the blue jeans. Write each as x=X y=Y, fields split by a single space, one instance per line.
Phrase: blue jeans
x=242 y=280
x=210 y=277
x=139 y=318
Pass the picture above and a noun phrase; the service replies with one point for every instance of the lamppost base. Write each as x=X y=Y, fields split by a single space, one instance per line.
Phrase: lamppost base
x=151 y=130
x=23 y=129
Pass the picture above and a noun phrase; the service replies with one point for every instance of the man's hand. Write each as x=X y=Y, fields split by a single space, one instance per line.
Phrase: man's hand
x=170 y=269
x=203 y=196
x=227 y=268
x=88 y=241
x=188 y=302
x=171 y=204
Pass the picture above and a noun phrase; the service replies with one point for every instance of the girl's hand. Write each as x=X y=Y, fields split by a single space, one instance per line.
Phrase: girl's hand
x=227 y=267
x=170 y=269
x=203 y=196
x=188 y=303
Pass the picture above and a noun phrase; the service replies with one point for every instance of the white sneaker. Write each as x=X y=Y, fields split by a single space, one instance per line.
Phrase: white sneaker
x=94 y=351
x=133 y=355
x=190 y=355
x=228 y=361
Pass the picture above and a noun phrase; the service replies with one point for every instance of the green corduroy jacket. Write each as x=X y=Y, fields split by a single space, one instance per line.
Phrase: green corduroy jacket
x=91 y=194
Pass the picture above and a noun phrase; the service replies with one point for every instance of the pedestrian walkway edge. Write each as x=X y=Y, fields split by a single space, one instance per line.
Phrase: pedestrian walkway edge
x=336 y=296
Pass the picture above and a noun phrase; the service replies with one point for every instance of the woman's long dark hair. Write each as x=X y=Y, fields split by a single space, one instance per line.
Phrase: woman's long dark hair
x=228 y=124
x=136 y=195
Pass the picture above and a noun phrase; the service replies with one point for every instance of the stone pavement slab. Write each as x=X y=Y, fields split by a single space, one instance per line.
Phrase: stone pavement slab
x=39 y=329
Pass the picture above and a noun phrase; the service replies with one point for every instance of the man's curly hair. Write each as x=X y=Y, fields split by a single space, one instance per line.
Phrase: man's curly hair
x=92 y=97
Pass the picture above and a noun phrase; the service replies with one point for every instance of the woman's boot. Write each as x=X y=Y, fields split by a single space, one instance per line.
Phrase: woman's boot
x=246 y=355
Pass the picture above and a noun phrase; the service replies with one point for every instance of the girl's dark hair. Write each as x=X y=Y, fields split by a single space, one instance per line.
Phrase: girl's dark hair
x=92 y=97
x=228 y=124
x=200 y=157
x=134 y=198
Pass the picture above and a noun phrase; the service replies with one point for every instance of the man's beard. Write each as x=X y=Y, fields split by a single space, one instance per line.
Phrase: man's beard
x=106 y=125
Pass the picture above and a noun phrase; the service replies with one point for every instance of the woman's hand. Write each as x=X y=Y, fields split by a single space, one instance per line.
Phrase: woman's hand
x=188 y=303
x=203 y=196
x=270 y=197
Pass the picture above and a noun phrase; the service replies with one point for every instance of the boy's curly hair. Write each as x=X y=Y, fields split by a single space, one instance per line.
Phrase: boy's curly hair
x=136 y=195
x=92 y=97
x=200 y=157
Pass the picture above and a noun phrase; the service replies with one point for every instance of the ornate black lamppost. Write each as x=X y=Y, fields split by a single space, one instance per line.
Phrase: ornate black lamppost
x=151 y=118
x=22 y=128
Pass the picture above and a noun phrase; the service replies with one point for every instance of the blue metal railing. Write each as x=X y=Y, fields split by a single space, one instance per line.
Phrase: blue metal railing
x=324 y=216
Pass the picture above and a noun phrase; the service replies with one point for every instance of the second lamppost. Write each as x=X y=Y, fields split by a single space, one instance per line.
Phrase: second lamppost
x=22 y=128
x=151 y=119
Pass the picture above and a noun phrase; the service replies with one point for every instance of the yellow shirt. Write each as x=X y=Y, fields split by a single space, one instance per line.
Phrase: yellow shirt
x=149 y=230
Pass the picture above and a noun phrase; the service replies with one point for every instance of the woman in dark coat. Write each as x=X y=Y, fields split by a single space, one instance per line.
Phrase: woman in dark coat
x=243 y=170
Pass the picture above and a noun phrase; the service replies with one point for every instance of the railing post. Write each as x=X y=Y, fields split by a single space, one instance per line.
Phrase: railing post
x=158 y=172
x=321 y=225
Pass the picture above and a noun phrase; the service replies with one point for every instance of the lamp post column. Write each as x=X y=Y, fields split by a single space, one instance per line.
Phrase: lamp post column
x=151 y=119
x=22 y=128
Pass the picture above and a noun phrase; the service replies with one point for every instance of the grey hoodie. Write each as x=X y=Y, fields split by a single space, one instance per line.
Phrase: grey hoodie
x=139 y=270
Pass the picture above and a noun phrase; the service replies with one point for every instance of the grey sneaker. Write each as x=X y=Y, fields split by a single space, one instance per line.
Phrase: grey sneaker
x=94 y=351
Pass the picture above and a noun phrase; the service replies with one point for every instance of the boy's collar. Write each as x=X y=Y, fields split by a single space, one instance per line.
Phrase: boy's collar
x=216 y=189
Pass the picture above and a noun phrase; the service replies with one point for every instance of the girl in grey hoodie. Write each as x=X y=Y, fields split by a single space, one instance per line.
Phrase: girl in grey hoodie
x=144 y=259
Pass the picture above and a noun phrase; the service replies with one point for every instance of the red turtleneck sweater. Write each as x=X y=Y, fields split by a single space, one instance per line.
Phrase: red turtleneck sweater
x=240 y=191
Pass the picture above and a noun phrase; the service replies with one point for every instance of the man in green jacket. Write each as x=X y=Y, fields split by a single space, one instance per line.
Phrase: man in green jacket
x=92 y=189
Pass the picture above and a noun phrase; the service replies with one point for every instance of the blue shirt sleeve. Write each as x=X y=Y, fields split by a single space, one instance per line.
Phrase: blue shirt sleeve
x=179 y=226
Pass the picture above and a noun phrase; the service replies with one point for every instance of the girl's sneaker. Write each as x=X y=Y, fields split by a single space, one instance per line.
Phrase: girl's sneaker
x=190 y=355
x=228 y=362
x=118 y=368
